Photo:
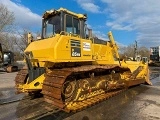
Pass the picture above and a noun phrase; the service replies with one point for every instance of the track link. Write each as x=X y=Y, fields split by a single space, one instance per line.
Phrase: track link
x=54 y=80
x=80 y=105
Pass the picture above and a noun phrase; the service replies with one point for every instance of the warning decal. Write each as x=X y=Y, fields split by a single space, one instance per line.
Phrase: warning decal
x=86 y=46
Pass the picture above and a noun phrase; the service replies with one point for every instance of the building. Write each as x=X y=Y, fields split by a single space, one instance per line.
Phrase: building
x=155 y=53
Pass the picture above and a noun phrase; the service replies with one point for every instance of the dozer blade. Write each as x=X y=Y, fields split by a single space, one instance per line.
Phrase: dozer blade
x=148 y=78
x=138 y=76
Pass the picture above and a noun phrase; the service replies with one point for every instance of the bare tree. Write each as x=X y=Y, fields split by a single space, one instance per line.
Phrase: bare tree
x=129 y=51
x=143 y=51
x=21 y=40
x=10 y=38
x=6 y=20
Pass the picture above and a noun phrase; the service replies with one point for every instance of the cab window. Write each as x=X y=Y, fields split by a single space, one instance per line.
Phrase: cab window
x=72 y=25
x=52 y=26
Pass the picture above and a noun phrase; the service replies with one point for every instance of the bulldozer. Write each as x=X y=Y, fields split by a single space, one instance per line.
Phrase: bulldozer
x=7 y=62
x=73 y=69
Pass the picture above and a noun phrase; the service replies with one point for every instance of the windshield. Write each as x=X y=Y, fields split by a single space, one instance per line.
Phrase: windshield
x=52 y=26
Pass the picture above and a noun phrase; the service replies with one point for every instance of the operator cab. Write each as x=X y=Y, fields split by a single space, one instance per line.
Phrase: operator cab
x=8 y=58
x=63 y=21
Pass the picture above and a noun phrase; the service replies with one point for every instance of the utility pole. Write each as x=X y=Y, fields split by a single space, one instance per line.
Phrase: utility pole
x=135 y=50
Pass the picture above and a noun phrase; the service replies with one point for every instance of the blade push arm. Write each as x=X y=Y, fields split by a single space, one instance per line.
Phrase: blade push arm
x=114 y=45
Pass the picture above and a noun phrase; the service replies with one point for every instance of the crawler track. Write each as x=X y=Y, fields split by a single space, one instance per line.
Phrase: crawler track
x=80 y=105
x=54 y=83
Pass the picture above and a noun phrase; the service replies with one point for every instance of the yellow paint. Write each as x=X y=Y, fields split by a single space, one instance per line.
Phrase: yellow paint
x=32 y=86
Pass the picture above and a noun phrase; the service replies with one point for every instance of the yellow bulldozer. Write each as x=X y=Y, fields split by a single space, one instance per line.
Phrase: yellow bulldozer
x=73 y=69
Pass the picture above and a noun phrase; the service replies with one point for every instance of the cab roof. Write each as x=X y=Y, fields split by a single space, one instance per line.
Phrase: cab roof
x=53 y=12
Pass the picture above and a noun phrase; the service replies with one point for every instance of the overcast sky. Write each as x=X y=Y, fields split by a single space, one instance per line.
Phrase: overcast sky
x=129 y=20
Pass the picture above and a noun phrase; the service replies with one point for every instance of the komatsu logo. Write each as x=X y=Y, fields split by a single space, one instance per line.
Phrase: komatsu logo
x=75 y=54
